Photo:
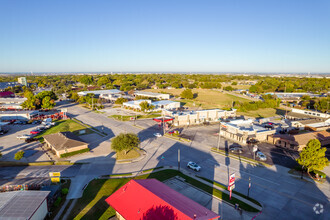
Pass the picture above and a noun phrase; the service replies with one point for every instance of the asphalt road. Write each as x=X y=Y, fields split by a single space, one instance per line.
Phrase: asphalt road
x=282 y=196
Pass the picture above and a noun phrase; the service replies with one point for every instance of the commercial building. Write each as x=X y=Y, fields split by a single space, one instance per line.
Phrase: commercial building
x=241 y=130
x=11 y=103
x=22 y=205
x=299 y=141
x=65 y=142
x=151 y=199
x=183 y=118
x=166 y=104
x=316 y=124
x=152 y=95
x=18 y=115
x=135 y=105
x=22 y=80
x=98 y=93
x=300 y=114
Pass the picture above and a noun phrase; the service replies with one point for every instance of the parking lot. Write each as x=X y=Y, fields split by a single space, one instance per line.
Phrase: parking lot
x=208 y=135
x=10 y=144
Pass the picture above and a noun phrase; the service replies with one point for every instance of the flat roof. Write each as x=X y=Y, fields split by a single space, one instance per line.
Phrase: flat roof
x=19 y=112
x=12 y=99
x=20 y=205
x=99 y=92
x=150 y=93
x=163 y=102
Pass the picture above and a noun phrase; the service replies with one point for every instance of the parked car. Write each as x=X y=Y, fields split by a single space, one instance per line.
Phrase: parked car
x=261 y=156
x=236 y=149
x=41 y=128
x=24 y=136
x=31 y=139
x=36 y=122
x=20 y=122
x=2 y=132
x=252 y=141
x=193 y=166
x=35 y=132
x=157 y=135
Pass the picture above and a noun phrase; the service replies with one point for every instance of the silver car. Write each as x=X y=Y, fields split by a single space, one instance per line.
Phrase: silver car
x=193 y=166
x=261 y=156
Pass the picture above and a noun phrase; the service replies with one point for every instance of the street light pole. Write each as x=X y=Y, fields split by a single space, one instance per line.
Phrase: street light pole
x=179 y=159
x=219 y=136
x=249 y=187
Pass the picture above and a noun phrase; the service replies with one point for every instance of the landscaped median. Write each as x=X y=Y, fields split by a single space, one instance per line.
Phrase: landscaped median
x=128 y=117
x=92 y=205
x=241 y=158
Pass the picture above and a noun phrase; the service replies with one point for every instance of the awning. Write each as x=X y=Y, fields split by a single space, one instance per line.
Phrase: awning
x=166 y=119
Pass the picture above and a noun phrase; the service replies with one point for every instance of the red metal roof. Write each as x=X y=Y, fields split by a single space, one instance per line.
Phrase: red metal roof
x=7 y=94
x=160 y=119
x=151 y=199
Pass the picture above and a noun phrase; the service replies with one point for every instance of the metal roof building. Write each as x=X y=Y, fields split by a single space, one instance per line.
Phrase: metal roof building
x=22 y=205
x=151 y=199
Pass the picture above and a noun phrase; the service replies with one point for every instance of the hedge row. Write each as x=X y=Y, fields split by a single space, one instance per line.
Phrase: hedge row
x=74 y=153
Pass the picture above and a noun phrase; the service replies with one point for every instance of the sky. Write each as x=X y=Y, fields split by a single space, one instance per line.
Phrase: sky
x=165 y=36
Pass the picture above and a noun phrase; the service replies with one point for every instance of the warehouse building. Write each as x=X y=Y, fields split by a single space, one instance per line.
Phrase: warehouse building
x=98 y=93
x=154 y=95
x=166 y=104
x=183 y=118
x=18 y=115
x=22 y=205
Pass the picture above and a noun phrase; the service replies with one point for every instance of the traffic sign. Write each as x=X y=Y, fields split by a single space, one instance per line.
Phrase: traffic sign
x=232 y=179
x=54 y=174
x=132 y=118
x=230 y=188
x=255 y=148
x=55 y=179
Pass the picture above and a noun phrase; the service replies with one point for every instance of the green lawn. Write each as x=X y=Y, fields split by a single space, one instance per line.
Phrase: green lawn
x=65 y=125
x=128 y=117
x=132 y=154
x=263 y=113
x=206 y=98
x=92 y=205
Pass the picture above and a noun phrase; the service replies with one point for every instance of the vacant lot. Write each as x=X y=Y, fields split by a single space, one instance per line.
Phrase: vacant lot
x=205 y=98
x=263 y=113
x=65 y=125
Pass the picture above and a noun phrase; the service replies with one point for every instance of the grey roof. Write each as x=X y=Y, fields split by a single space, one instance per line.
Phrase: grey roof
x=64 y=140
x=20 y=204
x=5 y=85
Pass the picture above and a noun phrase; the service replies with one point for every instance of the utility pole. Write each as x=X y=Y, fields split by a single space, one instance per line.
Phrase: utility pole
x=249 y=187
x=179 y=159
x=219 y=137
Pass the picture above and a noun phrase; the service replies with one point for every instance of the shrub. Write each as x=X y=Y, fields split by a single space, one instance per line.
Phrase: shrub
x=19 y=155
x=58 y=201
x=65 y=191
x=74 y=153
x=320 y=173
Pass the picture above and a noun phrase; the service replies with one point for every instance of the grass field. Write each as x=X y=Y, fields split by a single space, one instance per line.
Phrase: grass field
x=132 y=154
x=65 y=125
x=92 y=204
x=206 y=98
x=263 y=113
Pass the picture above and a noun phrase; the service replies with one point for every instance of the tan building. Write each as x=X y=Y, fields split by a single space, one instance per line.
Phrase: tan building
x=299 y=141
x=183 y=118
x=64 y=142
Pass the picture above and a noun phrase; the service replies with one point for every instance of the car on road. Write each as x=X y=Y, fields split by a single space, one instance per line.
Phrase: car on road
x=36 y=122
x=252 y=141
x=35 y=132
x=236 y=149
x=23 y=136
x=261 y=156
x=20 y=122
x=31 y=139
x=2 y=132
x=193 y=166
x=157 y=135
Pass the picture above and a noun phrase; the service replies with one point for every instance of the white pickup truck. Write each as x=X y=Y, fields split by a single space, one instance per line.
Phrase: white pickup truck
x=23 y=136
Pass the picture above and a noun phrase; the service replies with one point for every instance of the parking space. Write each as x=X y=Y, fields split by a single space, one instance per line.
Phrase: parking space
x=10 y=144
x=223 y=209
x=208 y=135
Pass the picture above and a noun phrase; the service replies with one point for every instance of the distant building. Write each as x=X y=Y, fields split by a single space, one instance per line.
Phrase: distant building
x=241 y=130
x=22 y=205
x=64 y=142
x=22 y=80
x=166 y=104
x=18 y=115
x=6 y=85
x=11 y=103
x=7 y=94
x=316 y=124
x=99 y=93
x=152 y=199
x=298 y=114
x=152 y=95
x=183 y=118
x=299 y=141
x=135 y=105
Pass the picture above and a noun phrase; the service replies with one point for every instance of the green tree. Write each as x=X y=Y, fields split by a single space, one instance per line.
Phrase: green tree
x=87 y=80
x=103 y=81
x=187 y=94
x=19 y=155
x=125 y=142
x=228 y=88
x=312 y=157
x=74 y=96
x=48 y=103
x=120 y=101
x=145 y=106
